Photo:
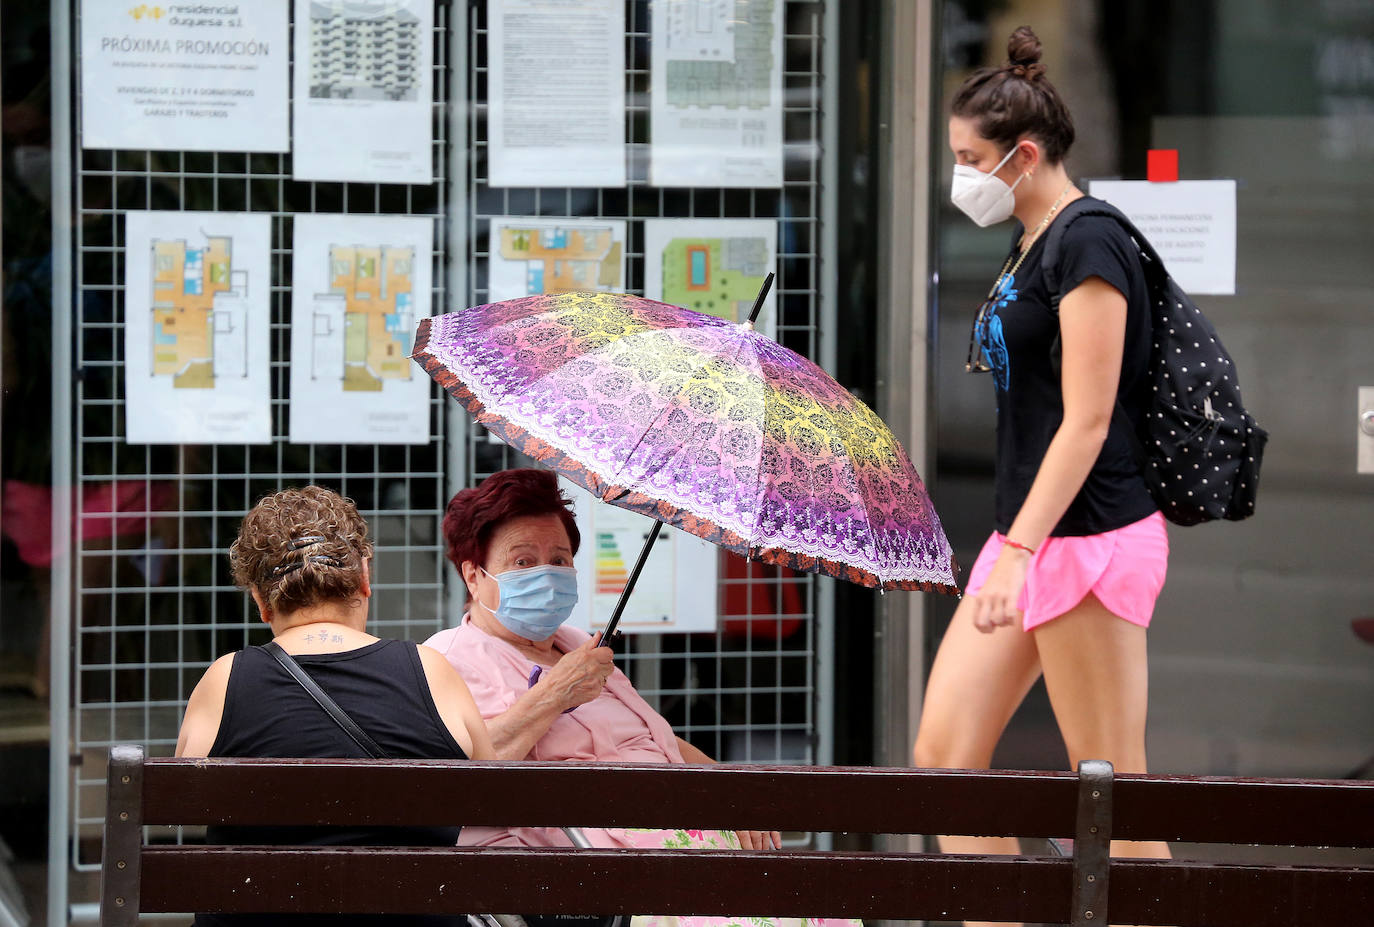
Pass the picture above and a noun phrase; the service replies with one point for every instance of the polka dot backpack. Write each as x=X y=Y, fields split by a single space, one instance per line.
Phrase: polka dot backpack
x=1199 y=450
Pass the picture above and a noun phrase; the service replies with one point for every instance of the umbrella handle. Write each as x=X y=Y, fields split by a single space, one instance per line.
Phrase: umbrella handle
x=630 y=583
x=763 y=294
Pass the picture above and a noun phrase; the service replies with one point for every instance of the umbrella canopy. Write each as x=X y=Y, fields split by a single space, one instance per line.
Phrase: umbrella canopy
x=698 y=422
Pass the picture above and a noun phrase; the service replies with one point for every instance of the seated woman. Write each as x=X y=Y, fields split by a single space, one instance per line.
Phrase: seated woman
x=304 y=556
x=547 y=691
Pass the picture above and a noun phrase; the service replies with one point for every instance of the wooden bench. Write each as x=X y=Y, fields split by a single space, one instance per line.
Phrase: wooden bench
x=147 y=873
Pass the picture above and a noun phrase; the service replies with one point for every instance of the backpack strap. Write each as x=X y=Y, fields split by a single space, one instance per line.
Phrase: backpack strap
x=1087 y=206
x=1049 y=267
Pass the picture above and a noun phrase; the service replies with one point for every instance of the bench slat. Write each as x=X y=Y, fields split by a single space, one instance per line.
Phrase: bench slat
x=436 y=792
x=719 y=883
x=1216 y=895
x=706 y=882
x=840 y=799
x=1277 y=812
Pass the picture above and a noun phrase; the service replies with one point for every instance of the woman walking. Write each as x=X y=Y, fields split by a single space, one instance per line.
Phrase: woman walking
x=1066 y=584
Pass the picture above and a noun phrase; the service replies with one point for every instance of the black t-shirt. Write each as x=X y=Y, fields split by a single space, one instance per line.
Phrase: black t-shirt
x=1018 y=337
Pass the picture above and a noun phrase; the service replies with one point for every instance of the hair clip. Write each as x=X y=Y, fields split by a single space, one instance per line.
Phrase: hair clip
x=322 y=559
x=306 y=541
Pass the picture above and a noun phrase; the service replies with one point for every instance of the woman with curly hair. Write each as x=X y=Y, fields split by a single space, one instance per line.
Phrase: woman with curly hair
x=304 y=556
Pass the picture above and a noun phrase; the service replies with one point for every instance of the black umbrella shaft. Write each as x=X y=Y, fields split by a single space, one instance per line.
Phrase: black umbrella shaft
x=630 y=583
x=763 y=294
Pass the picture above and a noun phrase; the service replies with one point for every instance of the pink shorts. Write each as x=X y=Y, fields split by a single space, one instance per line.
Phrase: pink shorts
x=1124 y=568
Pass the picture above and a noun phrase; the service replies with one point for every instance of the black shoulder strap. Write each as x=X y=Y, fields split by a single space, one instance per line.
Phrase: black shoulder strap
x=1049 y=266
x=341 y=718
x=1087 y=206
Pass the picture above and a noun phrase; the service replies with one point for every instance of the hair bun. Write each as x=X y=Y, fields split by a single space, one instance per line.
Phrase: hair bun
x=1023 y=54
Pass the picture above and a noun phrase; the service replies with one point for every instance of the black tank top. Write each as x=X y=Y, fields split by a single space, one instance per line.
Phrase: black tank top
x=268 y=714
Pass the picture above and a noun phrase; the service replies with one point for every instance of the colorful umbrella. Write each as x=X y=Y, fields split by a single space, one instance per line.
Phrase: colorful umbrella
x=698 y=422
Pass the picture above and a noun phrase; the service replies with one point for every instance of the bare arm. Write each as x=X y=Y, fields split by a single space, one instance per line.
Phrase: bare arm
x=691 y=754
x=200 y=724
x=1092 y=325
x=456 y=707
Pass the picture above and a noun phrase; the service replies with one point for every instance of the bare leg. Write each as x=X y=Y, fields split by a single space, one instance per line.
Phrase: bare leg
x=1098 y=683
x=975 y=686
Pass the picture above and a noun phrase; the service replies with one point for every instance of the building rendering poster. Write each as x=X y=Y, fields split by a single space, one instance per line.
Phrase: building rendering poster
x=676 y=592
x=155 y=79
x=533 y=256
x=715 y=266
x=360 y=285
x=556 y=93
x=364 y=91
x=716 y=93
x=196 y=319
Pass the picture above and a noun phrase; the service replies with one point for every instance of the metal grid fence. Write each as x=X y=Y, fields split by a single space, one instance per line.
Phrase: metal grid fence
x=151 y=608
x=748 y=692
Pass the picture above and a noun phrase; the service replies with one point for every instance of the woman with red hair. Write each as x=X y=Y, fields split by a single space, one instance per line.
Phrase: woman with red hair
x=547 y=691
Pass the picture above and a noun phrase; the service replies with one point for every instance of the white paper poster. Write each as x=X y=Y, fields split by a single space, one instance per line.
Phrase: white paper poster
x=556 y=93
x=716 y=93
x=364 y=91
x=715 y=266
x=533 y=256
x=360 y=286
x=675 y=592
x=194 y=77
x=196 y=319
x=1191 y=223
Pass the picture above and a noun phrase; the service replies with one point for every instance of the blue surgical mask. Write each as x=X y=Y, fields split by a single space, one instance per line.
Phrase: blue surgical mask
x=535 y=601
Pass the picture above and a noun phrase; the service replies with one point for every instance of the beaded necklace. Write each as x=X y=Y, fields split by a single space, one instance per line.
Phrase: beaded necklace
x=1009 y=269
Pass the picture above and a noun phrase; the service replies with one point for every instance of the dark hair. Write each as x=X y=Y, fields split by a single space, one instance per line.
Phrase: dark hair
x=1017 y=100
x=474 y=514
x=299 y=547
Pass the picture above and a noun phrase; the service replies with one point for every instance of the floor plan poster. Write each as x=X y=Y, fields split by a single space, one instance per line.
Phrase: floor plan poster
x=532 y=256
x=716 y=93
x=715 y=266
x=675 y=592
x=196 y=319
x=556 y=97
x=364 y=91
x=199 y=77
x=361 y=284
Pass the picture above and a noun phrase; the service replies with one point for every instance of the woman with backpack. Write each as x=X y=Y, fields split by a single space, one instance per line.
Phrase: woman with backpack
x=1066 y=584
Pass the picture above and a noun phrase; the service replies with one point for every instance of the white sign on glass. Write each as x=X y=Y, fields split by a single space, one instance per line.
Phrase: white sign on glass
x=716 y=94
x=202 y=77
x=196 y=319
x=677 y=589
x=715 y=266
x=361 y=284
x=364 y=91
x=1191 y=223
x=556 y=93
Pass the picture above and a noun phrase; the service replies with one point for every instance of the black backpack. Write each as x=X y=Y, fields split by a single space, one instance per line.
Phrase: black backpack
x=1199 y=450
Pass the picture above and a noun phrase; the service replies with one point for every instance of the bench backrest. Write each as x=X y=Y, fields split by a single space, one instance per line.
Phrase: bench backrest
x=1093 y=807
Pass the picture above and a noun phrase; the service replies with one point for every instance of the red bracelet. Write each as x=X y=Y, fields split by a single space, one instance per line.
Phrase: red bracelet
x=1008 y=542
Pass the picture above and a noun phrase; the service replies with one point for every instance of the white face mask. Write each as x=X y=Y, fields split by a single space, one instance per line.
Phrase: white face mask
x=984 y=198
